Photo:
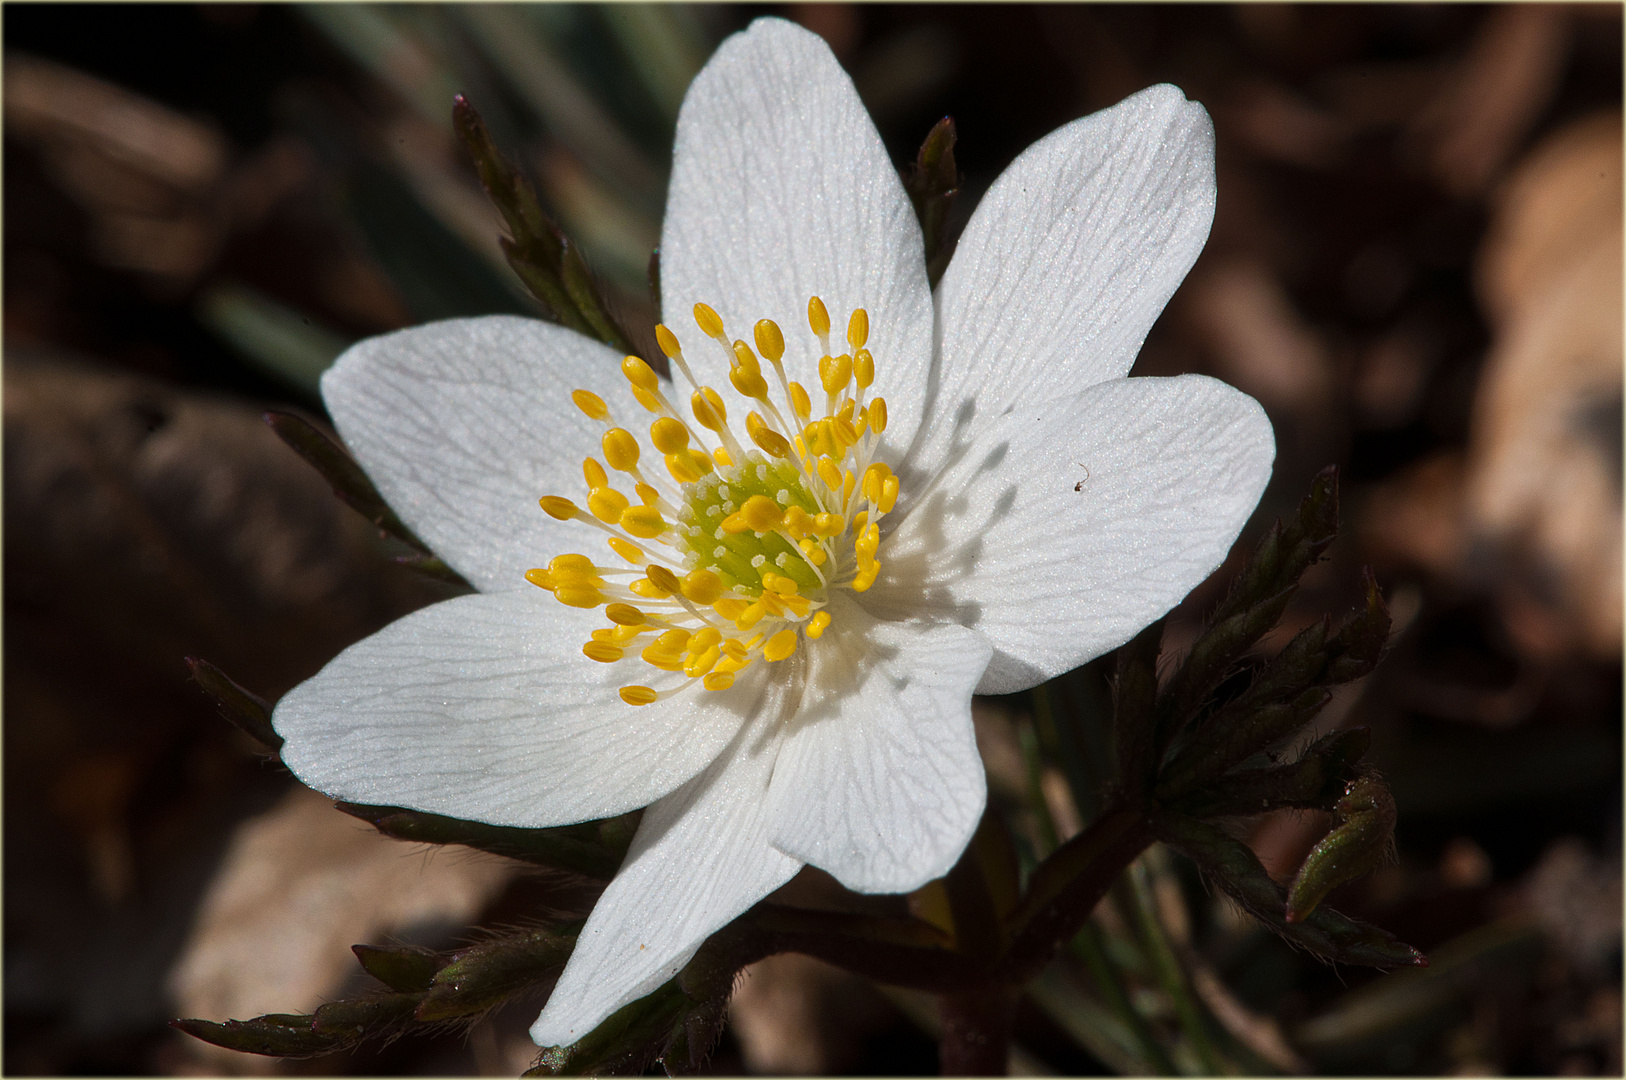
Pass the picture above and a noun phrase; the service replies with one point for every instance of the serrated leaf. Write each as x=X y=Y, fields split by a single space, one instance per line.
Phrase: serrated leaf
x=933 y=184
x=1229 y=864
x=360 y=1018
x=342 y=473
x=626 y=1042
x=1316 y=779
x=1362 y=839
x=247 y=710
x=550 y=267
x=404 y=968
x=273 y=1035
x=485 y=975
x=572 y=847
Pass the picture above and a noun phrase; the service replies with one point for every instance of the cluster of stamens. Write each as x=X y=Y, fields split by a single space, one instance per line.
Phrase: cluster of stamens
x=735 y=558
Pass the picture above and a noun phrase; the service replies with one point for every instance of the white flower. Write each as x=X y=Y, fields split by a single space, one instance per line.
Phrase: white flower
x=995 y=569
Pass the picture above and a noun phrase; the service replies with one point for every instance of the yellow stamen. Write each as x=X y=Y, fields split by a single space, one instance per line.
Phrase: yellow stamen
x=858 y=328
x=638 y=695
x=591 y=404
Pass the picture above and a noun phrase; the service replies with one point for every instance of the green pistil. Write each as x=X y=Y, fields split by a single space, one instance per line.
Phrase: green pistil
x=757 y=475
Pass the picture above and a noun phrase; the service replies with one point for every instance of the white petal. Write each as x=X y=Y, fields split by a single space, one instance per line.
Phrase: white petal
x=701 y=857
x=879 y=781
x=465 y=424
x=1167 y=471
x=484 y=708
x=1069 y=259
x=782 y=190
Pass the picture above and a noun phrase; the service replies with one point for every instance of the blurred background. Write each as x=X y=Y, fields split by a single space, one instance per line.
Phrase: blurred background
x=1415 y=267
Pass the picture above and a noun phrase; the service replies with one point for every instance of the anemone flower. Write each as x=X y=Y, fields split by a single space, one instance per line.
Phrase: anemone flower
x=767 y=619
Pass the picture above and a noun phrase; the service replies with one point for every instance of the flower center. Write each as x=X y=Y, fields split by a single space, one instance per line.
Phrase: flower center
x=735 y=551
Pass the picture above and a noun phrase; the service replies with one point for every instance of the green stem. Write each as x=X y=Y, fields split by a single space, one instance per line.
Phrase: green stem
x=1166 y=967
x=1086 y=946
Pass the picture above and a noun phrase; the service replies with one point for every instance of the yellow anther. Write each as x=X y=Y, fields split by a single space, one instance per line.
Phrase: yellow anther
x=643 y=521
x=866 y=577
x=780 y=584
x=859 y=520
x=848 y=483
x=662 y=578
x=710 y=323
x=638 y=695
x=649 y=590
x=702 y=587
x=705 y=638
x=620 y=449
x=624 y=615
x=867 y=543
x=591 y=404
x=863 y=368
x=682 y=467
x=817 y=317
x=699 y=663
x=753 y=614
x=718 y=680
x=858 y=328
x=540 y=578
x=877 y=415
x=669 y=435
x=667 y=341
x=708 y=408
x=723 y=457
x=846 y=435
x=748 y=380
x=744 y=357
x=674 y=640
x=628 y=551
x=735 y=649
x=607 y=504
x=889 y=495
x=765 y=437
x=817 y=625
x=620 y=635
x=664 y=659
x=572 y=570
x=730 y=607
x=640 y=374
x=559 y=508
x=762 y=514
x=829 y=524
x=799 y=402
x=771 y=602
x=602 y=651
x=875 y=478
x=647 y=495
x=582 y=596
x=813 y=551
x=780 y=645
x=797 y=521
x=834 y=371
x=830 y=474
x=770 y=342
x=605 y=634
x=594 y=473
x=648 y=400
